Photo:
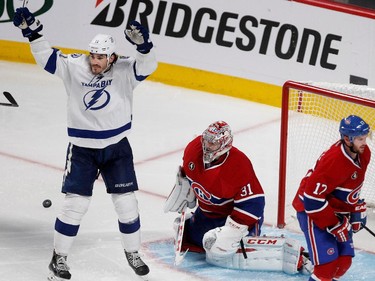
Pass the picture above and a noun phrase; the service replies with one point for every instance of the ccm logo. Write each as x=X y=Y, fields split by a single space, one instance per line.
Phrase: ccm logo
x=254 y=241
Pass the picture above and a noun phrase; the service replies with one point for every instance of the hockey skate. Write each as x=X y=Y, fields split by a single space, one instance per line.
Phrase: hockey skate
x=59 y=270
x=137 y=264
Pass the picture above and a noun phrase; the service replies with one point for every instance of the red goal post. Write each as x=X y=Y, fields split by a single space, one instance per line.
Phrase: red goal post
x=310 y=117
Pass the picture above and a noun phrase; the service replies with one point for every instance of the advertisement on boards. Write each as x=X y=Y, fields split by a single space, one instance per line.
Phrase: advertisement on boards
x=267 y=41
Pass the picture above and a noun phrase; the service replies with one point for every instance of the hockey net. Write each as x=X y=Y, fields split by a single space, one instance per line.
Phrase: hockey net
x=310 y=117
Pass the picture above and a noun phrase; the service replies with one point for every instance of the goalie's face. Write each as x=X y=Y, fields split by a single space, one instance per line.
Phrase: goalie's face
x=210 y=150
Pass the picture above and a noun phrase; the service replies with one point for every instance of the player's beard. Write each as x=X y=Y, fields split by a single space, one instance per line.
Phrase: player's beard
x=361 y=149
x=358 y=149
x=96 y=69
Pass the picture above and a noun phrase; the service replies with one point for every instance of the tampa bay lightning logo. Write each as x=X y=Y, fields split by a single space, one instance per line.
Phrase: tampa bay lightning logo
x=96 y=99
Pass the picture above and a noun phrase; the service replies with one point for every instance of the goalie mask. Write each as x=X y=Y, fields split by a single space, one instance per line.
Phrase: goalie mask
x=353 y=126
x=216 y=140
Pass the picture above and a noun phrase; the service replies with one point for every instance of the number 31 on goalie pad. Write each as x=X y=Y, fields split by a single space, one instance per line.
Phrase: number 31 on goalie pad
x=264 y=253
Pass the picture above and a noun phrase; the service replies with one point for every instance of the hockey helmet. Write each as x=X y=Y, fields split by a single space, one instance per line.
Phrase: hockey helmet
x=216 y=140
x=102 y=44
x=353 y=126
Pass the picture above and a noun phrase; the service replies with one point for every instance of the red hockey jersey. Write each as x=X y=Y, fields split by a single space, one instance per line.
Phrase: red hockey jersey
x=333 y=186
x=229 y=188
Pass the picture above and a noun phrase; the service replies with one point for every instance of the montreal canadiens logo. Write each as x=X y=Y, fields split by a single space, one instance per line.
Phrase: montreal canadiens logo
x=201 y=193
x=354 y=195
x=330 y=251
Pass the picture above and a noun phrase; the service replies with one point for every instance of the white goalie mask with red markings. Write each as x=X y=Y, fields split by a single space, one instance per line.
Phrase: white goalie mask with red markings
x=216 y=140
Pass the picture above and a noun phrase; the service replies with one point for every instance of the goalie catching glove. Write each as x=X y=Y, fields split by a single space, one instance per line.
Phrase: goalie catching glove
x=138 y=35
x=181 y=196
x=26 y=21
x=224 y=240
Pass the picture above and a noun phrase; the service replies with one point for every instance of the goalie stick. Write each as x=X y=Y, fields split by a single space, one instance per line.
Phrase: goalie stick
x=12 y=101
x=178 y=258
x=243 y=249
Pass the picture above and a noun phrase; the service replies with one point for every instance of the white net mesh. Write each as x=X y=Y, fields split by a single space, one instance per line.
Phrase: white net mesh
x=313 y=126
x=350 y=89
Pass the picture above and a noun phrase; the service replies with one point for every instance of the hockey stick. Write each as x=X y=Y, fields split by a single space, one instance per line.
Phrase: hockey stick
x=178 y=258
x=368 y=229
x=12 y=101
x=243 y=249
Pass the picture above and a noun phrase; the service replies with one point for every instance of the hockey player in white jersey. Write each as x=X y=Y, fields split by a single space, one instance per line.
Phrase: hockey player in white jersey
x=99 y=108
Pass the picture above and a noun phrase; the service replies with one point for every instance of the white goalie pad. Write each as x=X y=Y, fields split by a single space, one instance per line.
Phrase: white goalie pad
x=181 y=195
x=262 y=253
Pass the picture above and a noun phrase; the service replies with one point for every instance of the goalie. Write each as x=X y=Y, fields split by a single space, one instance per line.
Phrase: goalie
x=230 y=207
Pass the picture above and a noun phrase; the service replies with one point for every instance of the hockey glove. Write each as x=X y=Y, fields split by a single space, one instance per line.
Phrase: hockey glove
x=181 y=196
x=225 y=240
x=26 y=21
x=342 y=230
x=138 y=35
x=358 y=218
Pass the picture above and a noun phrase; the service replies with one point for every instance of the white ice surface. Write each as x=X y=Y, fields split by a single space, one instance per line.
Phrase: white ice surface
x=32 y=156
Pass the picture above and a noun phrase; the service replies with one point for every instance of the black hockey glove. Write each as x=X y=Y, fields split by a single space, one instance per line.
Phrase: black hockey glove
x=26 y=21
x=138 y=35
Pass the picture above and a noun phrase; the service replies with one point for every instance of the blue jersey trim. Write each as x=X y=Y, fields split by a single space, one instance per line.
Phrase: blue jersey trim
x=51 y=63
x=138 y=77
x=90 y=134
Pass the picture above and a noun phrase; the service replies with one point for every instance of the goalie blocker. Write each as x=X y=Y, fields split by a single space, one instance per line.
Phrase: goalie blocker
x=265 y=253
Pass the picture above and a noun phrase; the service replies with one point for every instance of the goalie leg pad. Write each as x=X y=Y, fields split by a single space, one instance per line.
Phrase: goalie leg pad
x=263 y=253
x=291 y=256
x=187 y=244
x=268 y=257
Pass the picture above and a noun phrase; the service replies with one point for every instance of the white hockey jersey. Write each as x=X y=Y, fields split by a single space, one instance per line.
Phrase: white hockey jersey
x=99 y=107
